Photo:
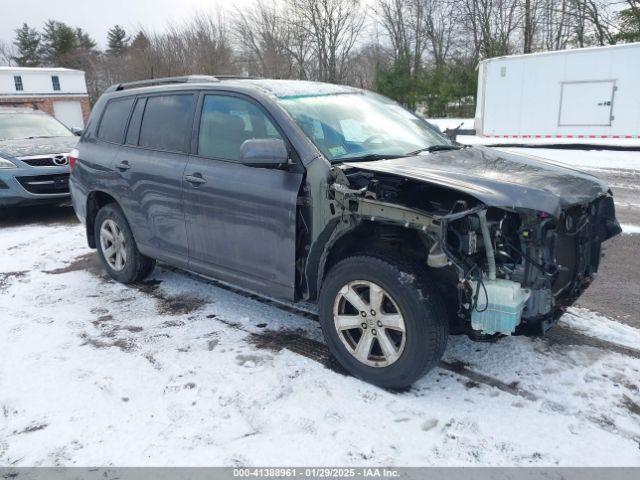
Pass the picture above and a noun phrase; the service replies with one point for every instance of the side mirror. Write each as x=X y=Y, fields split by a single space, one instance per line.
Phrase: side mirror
x=77 y=131
x=264 y=152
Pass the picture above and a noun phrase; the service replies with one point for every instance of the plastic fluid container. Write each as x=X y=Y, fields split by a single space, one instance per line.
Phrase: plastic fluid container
x=500 y=310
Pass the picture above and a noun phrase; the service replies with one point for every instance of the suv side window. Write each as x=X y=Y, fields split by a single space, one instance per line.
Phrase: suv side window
x=166 y=123
x=114 y=120
x=226 y=122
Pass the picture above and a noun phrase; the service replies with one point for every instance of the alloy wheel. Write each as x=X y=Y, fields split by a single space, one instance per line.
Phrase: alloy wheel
x=369 y=323
x=113 y=245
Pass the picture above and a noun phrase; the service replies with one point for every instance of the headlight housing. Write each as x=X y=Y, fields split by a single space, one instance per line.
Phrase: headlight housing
x=4 y=163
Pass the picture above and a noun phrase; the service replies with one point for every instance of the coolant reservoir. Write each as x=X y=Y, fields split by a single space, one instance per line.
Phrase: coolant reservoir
x=500 y=309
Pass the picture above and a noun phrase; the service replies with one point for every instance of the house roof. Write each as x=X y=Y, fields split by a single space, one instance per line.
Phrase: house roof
x=38 y=69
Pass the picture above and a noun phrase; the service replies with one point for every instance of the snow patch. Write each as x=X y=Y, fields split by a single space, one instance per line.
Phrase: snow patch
x=598 y=326
x=584 y=159
x=630 y=229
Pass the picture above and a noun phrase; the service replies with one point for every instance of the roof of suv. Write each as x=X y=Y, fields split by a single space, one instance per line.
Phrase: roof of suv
x=294 y=88
x=278 y=88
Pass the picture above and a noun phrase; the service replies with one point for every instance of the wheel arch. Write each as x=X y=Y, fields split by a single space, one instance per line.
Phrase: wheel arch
x=95 y=201
x=364 y=237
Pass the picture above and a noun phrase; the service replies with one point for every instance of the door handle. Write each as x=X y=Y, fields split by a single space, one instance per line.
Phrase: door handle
x=123 y=165
x=195 y=179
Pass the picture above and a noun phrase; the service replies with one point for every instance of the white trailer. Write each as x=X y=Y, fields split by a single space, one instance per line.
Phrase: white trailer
x=583 y=93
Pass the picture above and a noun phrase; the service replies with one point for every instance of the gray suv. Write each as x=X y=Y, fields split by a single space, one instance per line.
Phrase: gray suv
x=337 y=199
x=34 y=164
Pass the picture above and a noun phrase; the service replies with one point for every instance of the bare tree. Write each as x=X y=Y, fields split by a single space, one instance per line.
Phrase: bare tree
x=555 y=24
x=265 y=39
x=7 y=54
x=331 y=28
x=491 y=24
x=441 y=29
x=405 y=26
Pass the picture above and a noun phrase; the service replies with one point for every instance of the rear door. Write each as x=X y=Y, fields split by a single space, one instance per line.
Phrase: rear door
x=241 y=220
x=586 y=103
x=151 y=166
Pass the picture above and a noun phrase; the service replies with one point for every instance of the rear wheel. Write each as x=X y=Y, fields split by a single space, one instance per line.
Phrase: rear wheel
x=117 y=248
x=382 y=320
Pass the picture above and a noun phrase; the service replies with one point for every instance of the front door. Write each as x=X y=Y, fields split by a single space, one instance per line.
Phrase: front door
x=241 y=220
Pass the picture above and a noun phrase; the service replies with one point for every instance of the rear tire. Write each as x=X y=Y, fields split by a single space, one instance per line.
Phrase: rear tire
x=391 y=346
x=117 y=248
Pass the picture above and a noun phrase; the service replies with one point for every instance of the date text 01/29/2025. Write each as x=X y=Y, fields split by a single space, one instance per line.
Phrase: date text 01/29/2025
x=322 y=472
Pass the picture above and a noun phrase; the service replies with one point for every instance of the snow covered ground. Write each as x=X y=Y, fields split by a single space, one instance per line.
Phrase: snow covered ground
x=592 y=160
x=179 y=371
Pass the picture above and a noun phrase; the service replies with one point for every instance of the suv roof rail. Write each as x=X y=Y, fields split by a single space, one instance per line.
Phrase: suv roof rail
x=237 y=77
x=161 y=81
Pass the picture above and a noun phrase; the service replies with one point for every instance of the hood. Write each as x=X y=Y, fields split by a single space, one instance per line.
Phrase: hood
x=37 y=146
x=496 y=178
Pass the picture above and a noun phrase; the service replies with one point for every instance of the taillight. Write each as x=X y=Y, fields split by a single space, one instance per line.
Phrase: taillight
x=73 y=156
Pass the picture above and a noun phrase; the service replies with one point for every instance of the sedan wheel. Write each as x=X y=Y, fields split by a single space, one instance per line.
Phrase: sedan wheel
x=369 y=323
x=113 y=243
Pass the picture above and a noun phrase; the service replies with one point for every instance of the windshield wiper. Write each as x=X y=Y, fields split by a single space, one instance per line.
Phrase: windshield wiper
x=367 y=157
x=434 y=148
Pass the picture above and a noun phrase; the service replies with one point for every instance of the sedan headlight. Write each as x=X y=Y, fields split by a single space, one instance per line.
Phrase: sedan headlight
x=4 y=163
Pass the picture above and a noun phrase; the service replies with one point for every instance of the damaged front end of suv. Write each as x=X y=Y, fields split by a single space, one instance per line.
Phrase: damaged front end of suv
x=511 y=241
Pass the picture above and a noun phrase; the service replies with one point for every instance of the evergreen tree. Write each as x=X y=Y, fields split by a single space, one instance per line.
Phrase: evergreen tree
x=629 y=30
x=117 y=40
x=27 y=43
x=84 y=41
x=59 y=43
x=140 y=42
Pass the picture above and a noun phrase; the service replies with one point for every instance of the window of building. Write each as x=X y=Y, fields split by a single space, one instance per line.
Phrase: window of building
x=17 y=80
x=114 y=120
x=55 y=80
x=226 y=122
x=166 y=123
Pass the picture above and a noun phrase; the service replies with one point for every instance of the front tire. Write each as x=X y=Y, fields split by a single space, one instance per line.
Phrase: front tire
x=382 y=320
x=117 y=248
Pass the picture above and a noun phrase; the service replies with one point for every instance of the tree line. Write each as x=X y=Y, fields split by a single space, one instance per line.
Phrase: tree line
x=423 y=53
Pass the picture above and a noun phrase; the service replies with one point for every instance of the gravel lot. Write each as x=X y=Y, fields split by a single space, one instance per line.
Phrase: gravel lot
x=182 y=371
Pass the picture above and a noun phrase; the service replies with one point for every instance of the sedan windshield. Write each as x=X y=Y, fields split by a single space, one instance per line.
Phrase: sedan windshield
x=15 y=126
x=366 y=126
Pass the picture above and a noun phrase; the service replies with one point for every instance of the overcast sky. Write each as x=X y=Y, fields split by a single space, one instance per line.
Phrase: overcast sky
x=97 y=16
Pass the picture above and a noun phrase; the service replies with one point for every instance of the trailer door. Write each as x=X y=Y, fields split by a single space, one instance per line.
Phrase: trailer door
x=586 y=103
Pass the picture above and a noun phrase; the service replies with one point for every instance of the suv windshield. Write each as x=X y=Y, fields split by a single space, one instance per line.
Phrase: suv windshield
x=15 y=126
x=348 y=126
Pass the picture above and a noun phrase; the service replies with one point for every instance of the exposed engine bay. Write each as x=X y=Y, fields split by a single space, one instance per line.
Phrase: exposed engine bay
x=513 y=270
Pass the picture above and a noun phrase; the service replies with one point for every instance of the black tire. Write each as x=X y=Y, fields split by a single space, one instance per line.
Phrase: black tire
x=423 y=311
x=137 y=266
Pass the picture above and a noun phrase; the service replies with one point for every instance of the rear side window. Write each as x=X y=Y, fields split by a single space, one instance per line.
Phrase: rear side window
x=114 y=120
x=166 y=123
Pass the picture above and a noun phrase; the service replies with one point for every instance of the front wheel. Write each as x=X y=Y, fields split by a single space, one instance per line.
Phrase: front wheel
x=117 y=248
x=382 y=320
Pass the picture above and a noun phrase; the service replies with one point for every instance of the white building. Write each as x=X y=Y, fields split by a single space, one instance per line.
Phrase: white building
x=61 y=92
x=581 y=93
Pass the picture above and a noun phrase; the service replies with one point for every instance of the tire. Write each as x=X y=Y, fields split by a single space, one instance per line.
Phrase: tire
x=405 y=290
x=133 y=266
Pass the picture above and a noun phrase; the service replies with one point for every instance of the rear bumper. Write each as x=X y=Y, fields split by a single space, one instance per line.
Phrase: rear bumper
x=33 y=186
